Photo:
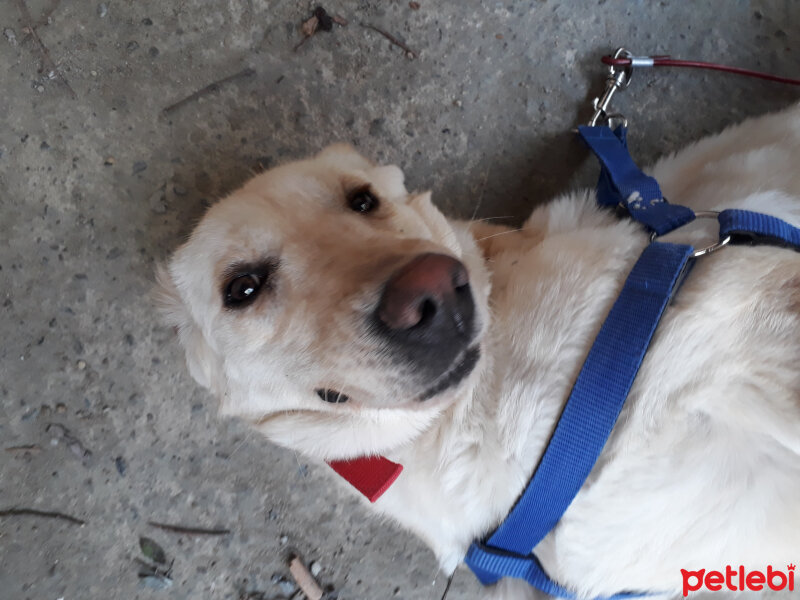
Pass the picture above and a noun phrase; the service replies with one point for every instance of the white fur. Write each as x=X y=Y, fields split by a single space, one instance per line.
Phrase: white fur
x=703 y=467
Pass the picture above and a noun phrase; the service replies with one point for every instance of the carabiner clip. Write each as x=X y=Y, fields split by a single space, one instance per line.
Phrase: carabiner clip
x=619 y=78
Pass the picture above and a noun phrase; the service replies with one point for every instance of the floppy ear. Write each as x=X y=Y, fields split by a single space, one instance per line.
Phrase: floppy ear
x=204 y=364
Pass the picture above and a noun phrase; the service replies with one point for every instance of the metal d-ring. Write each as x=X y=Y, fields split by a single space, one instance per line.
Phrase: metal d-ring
x=703 y=214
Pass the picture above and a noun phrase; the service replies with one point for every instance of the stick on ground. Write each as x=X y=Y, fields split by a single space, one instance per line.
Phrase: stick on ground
x=188 y=530
x=47 y=61
x=12 y=512
x=409 y=52
x=31 y=448
x=305 y=580
x=211 y=87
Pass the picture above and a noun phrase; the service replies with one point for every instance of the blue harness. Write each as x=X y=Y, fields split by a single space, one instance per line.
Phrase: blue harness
x=613 y=361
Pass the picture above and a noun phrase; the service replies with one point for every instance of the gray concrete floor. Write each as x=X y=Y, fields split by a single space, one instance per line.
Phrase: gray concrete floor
x=97 y=186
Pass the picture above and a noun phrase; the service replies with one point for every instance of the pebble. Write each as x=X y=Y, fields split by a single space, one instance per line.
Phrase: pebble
x=156 y=582
x=157 y=201
x=132 y=46
x=315 y=568
x=109 y=161
x=139 y=166
x=102 y=10
x=121 y=465
x=61 y=407
x=81 y=364
x=40 y=88
x=287 y=587
x=284 y=539
x=77 y=449
x=10 y=36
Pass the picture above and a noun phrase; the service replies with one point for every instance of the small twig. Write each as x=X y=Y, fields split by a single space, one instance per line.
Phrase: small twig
x=32 y=448
x=188 y=530
x=10 y=512
x=46 y=59
x=212 y=87
x=409 y=52
x=305 y=580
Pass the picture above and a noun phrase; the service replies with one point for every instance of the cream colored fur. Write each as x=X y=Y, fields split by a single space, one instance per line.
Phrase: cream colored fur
x=703 y=467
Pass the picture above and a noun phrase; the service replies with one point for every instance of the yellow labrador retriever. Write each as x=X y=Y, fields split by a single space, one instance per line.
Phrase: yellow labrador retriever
x=343 y=316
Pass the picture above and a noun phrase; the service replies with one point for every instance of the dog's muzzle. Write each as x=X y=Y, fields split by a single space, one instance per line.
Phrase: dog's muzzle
x=426 y=314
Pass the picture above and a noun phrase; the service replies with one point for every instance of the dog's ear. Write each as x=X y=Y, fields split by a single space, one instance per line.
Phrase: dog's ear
x=204 y=364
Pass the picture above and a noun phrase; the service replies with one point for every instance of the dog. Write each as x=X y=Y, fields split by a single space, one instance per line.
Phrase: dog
x=343 y=316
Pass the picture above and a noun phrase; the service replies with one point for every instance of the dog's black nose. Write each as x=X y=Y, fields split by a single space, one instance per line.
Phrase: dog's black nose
x=427 y=311
x=424 y=293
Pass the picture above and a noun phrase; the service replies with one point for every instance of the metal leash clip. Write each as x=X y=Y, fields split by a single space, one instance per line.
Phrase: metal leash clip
x=619 y=78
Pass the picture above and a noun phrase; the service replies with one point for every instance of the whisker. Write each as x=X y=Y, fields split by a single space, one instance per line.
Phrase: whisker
x=473 y=221
x=501 y=233
x=483 y=190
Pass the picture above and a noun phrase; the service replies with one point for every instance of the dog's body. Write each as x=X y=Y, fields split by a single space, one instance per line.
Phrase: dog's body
x=703 y=467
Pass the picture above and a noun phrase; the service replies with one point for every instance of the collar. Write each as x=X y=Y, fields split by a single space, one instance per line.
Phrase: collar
x=370 y=475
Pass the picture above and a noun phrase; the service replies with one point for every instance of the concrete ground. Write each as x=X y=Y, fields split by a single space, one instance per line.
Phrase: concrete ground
x=97 y=184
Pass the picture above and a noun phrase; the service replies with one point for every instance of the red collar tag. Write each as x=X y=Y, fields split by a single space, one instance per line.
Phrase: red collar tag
x=370 y=475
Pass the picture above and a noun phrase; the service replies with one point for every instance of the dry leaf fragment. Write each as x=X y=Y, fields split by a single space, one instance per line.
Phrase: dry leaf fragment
x=310 y=26
x=152 y=550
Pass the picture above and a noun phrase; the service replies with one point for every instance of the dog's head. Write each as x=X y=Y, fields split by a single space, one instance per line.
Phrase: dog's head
x=328 y=306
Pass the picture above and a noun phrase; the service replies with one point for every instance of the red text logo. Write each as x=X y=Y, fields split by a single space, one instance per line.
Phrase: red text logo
x=738 y=579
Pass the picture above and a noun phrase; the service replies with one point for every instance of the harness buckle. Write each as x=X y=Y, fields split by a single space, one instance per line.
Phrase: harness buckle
x=618 y=78
x=702 y=214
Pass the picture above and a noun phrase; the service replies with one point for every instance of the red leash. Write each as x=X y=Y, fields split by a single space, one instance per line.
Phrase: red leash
x=666 y=61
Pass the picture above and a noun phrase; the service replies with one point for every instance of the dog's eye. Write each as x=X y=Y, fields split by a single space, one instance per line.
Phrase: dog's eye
x=244 y=282
x=332 y=396
x=362 y=200
x=242 y=290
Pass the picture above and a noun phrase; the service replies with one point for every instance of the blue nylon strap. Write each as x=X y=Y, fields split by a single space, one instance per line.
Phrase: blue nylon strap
x=757 y=228
x=622 y=182
x=586 y=422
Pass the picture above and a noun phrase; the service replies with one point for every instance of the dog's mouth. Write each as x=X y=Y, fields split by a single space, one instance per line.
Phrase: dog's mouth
x=455 y=374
